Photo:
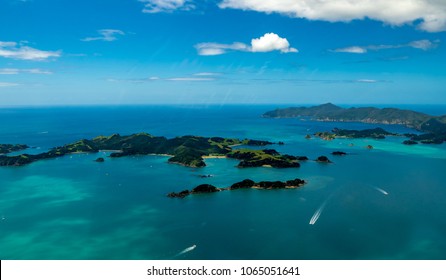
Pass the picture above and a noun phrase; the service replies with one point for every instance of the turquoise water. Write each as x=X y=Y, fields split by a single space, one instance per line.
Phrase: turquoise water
x=75 y=208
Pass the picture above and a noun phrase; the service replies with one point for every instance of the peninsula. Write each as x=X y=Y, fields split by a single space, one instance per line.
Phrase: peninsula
x=185 y=150
x=433 y=128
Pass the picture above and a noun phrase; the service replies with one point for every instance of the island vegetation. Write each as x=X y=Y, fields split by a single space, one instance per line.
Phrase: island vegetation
x=185 y=150
x=245 y=184
x=375 y=133
x=433 y=128
x=9 y=148
x=323 y=159
x=267 y=157
x=338 y=153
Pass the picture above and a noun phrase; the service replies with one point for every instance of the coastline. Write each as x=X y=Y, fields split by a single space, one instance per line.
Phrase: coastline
x=205 y=157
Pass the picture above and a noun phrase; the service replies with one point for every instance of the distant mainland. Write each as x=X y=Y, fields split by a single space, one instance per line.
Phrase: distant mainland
x=433 y=128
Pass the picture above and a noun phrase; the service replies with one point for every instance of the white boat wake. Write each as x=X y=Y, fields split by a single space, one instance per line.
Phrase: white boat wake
x=188 y=249
x=318 y=213
x=381 y=191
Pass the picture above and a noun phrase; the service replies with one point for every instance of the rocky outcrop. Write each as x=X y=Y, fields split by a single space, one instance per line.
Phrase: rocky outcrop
x=410 y=142
x=323 y=159
x=339 y=153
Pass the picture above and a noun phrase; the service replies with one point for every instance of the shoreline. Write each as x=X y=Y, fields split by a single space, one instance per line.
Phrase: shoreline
x=210 y=156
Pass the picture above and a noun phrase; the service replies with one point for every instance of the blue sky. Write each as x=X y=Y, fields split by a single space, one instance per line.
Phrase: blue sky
x=59 y=52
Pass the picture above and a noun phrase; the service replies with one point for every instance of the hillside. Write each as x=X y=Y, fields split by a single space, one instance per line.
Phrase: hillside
x=330 y=112
x=184 y=150
x=434 y=128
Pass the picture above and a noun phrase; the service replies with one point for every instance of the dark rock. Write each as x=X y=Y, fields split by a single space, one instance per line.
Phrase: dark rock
x=323 y=159
x=338 y=153
x=205 y=188
x=181 y=194
x=288 y=157
x=410 y=142
x=258 y=143
x=302 y=158
x=247 y=183
x=100 y=159
x=271 y=185
x=295 y=183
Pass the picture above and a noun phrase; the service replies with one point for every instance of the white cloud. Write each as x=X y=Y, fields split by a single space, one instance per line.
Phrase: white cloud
x=2 y=84
x=267 y=43
x=7 y=44
x=420 y=44
x=198 y=78
x=15 y=71
x=16 y=51
x=217 y=49
x=432 y=13
x=166 y=6
x=367 y=81
x=271 y=42
x=353 y=49
x=107 y=35
x=190 y=79
x=207 y=74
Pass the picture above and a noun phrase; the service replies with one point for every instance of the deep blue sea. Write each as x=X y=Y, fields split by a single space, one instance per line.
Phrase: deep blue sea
x=384 y=203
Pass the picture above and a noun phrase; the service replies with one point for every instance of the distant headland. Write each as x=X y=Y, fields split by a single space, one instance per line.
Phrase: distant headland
x=433 y=127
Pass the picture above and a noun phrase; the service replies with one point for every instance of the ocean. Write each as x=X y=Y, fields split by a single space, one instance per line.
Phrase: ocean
x=384 y=203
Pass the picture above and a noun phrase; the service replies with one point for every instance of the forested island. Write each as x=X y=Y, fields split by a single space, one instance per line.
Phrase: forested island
x=245 y=184
x=9 y=148
x=433 y=127
x=185 y=150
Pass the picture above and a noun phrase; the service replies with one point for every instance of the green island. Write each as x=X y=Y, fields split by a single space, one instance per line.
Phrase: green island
x=9 y=148
x=185 y=150
x=433 y=127
x=375 y=133
x=245 y=184
x=267 y=157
